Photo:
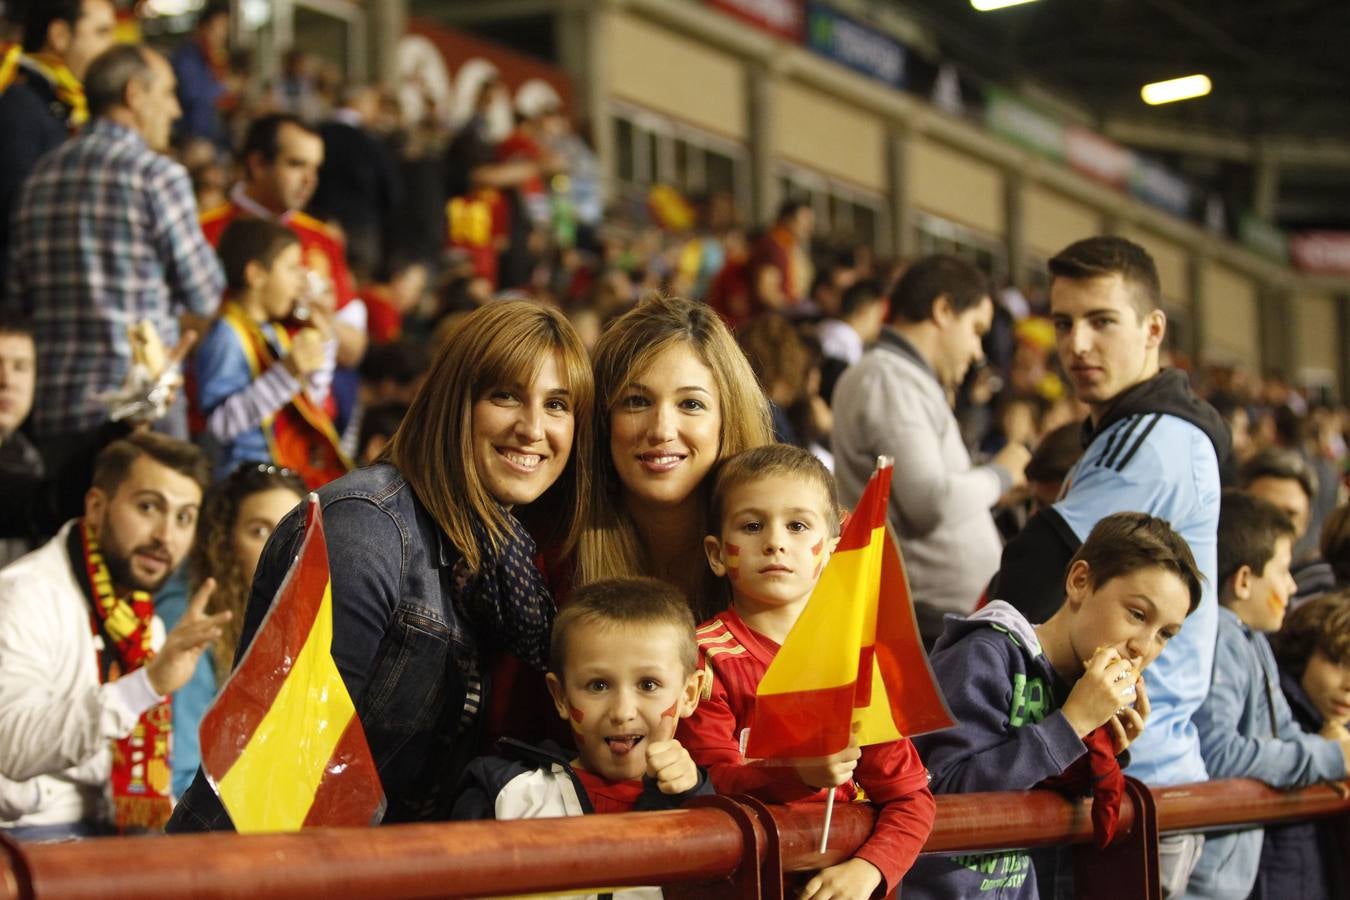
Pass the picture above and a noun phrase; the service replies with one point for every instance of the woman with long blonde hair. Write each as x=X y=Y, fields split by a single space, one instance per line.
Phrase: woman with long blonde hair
x=432 y=574
x=674 y=394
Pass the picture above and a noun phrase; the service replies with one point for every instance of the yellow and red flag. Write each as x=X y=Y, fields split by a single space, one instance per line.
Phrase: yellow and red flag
x=854 y=655
x=282 y=745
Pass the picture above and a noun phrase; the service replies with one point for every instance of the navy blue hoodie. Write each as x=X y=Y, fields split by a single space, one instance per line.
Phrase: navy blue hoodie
x=1010 y=736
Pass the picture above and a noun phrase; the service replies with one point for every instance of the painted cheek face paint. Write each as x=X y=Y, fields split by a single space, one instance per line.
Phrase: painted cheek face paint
x=733 y=560
x=670 y=713
x=817 y=553
x=577 y=717
x=1276 y=602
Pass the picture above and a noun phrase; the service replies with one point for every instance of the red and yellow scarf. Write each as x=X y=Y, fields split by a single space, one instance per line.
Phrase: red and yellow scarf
x=68 y=88
x=300 y=435
x=140 y=766
x=9 y=64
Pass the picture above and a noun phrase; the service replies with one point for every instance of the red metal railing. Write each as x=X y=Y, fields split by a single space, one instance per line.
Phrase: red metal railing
x=727 y=847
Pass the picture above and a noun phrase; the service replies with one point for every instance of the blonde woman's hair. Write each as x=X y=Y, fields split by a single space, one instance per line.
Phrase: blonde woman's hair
x=500 y=344
x=609 y=546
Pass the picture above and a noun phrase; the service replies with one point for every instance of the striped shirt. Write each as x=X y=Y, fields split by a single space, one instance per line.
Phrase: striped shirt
x=104 y=235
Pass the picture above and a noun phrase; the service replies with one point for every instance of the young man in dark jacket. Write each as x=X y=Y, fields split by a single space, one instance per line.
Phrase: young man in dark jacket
x=1152 y=446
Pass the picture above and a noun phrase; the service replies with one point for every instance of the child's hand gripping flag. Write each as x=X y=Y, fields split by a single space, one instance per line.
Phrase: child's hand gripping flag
x=854 y=655
x=282 y=745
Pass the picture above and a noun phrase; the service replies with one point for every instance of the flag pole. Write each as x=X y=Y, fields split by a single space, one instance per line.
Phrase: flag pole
x=829 y=814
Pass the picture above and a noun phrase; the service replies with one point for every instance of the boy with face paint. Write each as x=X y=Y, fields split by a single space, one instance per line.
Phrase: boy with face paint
x=622 y=674
x=775 y=523
x=1247 y=729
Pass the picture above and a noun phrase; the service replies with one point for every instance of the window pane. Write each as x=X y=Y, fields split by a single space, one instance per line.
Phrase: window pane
x=649 y=168
x=719 y=172
x=625 y=165
x=840 y=223
x=682 y=153
x=864 y=224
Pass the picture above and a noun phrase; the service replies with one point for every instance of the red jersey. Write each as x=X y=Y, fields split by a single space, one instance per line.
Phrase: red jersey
x=384 y=323
x=474 y=226
x=734 y=659
x=777 y=248
x=609 y=796
x=321 y=247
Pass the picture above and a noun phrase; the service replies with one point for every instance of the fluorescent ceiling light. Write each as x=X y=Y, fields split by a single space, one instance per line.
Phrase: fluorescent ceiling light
x=988 y=5
x=1175 y=89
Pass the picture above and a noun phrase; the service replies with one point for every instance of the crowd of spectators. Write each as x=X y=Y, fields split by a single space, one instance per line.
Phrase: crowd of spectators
x=347 y=242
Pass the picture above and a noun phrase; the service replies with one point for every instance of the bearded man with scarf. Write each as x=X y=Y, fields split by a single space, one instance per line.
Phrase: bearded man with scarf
x=86 y=669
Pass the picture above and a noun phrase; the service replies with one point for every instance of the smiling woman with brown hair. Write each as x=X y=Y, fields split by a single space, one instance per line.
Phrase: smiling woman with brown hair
x=432 y=574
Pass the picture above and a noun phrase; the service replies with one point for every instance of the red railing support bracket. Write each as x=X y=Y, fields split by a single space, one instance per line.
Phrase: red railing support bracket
x=771 y=861
x=16 y=881
x=1128 y=867
x=748 y=881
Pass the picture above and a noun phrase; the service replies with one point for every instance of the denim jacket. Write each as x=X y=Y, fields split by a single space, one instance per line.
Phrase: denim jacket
x=410 y=626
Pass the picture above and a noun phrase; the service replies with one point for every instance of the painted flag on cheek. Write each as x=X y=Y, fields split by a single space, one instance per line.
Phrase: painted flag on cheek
x=854 y=654
x=282 y=745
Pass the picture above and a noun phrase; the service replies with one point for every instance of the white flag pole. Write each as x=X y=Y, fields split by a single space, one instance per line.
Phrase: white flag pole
x=829 y=814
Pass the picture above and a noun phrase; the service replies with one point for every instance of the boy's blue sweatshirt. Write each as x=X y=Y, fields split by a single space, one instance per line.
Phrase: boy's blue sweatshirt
x=1010 y=736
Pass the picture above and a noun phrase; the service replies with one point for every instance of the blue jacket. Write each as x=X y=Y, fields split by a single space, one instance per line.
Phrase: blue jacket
x=192 y=700
x=222 y=371
x=199 y=92
x=35 y=123
x=1010 y=736
x=1294 y=857
x=1157 y=449
x=410 y=629
x=1247 y=730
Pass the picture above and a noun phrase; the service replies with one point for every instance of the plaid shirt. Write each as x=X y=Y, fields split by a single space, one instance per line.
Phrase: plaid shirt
x=104 y=234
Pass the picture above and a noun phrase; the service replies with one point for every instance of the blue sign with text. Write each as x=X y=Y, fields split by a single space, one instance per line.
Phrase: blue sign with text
x=853 y=44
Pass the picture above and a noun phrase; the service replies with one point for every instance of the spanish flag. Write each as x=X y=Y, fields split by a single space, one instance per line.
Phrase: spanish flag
x=282 y=745
x=854 y=654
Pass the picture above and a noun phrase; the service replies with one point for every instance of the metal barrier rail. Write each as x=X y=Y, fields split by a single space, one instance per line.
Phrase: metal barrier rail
x=724 y=847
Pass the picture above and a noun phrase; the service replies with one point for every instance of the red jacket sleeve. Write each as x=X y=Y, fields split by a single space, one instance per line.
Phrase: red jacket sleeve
x=896 y=782
x=712 y=737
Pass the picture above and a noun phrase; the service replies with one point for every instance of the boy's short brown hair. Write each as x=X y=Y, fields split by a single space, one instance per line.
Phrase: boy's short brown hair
x=1249 y=528
x=626 y=601
x=1129 y=541
x=1321 y=624
x=251 y=240
x=766 y=462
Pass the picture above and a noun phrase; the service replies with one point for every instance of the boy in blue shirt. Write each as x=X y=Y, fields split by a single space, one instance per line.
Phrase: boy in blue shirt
x=261 y=387
x=1247 y=729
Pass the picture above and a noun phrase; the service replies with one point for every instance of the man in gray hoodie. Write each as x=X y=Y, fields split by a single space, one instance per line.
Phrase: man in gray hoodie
x=896 y=401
